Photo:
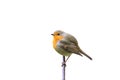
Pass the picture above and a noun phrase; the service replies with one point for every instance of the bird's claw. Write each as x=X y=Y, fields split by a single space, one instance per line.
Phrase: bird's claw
x=63 y=64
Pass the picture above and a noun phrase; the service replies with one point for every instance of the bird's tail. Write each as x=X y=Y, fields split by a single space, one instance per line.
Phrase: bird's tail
x=85 y=54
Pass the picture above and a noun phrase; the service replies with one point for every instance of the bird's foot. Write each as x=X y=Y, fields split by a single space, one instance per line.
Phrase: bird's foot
x=63 y=64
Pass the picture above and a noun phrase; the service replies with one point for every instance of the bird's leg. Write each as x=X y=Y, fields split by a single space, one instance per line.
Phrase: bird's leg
x=64 y=63
x=67 y=58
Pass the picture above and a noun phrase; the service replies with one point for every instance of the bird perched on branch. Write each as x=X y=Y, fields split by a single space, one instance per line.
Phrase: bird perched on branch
x=66 y=44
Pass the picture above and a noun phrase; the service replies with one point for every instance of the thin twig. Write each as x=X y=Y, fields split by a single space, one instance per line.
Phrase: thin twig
x=63 y=65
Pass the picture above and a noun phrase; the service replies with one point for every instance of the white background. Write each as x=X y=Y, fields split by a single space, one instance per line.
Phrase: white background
x=26 y=51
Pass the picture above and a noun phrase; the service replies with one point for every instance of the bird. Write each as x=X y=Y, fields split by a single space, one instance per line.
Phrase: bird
x=66 y=44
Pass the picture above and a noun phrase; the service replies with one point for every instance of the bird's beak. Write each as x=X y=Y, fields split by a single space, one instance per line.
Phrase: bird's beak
x=52 y=34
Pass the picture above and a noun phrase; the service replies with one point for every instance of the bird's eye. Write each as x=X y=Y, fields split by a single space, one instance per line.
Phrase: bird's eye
x=58 y=34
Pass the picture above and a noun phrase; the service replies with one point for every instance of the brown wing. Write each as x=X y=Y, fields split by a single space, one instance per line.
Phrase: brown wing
x=73 y=48
x=70 y=47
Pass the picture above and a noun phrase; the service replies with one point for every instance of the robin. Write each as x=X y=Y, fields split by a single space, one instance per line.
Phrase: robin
x=66 y=44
